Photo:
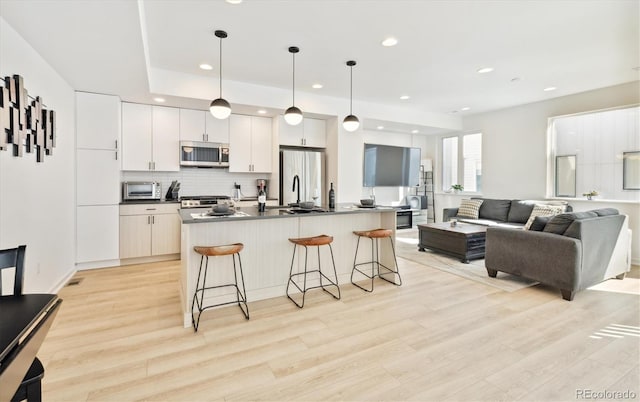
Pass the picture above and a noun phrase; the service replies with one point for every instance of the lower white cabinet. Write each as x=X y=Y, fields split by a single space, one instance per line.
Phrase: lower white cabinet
x=96 y=233
x=149 y=230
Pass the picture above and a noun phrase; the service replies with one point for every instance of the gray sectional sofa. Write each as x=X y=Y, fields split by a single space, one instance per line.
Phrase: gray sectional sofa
x=571 y=252
x=501 y=212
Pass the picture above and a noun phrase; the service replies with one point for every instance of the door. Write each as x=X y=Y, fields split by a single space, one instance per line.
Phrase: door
x=315 y=133
x=313 y=185
x=261 y=144
x=288 y=134
x=217 y=130
x=97 y=233
x=165 y=234
x=166 y=139
x=292 y=164
x=135 y=236
x=97 y=121
x=97 y=177
x=192 y=125
x=239 y=143
x=136 y=136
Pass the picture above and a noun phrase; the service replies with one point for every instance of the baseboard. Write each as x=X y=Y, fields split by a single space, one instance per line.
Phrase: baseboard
x=63 y=282
x=145 y=260
x=83 y=266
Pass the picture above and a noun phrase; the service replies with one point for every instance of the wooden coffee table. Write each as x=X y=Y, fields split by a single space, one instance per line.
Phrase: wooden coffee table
x=464 y=241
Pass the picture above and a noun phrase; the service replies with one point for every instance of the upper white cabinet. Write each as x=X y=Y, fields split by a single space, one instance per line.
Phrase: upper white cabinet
x=150 y=137
x=309 y=133
x=250 y=144
x=198 y=125
x=97 y=121
x=166 y=139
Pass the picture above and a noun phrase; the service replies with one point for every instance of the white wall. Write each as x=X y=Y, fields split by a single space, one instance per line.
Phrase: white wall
x=514 y=149
x=37 y=199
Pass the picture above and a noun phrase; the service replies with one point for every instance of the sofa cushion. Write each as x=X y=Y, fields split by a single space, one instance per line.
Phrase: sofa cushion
x=559 y=223
x=543 y=210
x=606 y=211
x=497 y=210
x=539 y=223
x=470 y=208
x=520 y=211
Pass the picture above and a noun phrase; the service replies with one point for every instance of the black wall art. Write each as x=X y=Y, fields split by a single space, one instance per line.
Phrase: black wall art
x=25 y=123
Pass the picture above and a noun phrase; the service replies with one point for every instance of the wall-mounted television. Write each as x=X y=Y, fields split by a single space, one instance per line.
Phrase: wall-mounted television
x=390 y=166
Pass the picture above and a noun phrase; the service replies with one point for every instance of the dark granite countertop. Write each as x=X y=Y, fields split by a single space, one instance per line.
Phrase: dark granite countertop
x=247 y=213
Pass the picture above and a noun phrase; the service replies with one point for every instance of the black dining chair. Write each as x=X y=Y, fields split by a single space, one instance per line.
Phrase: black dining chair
x=31 y=386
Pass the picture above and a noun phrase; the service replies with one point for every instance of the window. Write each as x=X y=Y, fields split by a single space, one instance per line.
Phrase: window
x=462 y=165
x=599 y=141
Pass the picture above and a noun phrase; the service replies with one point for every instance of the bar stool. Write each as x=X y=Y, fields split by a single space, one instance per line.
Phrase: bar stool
x=241 y=296
x=375 y=235
x=316 y=241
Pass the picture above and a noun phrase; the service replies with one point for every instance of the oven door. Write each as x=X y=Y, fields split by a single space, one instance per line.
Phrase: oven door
x=203 y=154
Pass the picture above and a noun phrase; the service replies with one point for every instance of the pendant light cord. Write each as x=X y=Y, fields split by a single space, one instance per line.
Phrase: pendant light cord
x=294 y=79
x=220 y=67
x=351 y=93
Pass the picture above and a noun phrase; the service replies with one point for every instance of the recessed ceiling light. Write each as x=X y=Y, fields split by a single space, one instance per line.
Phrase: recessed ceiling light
x=380 y=127
x=159 y=100
x=415 y=131
x=453 y=112
x=391 y=41
x=205 y=66
x=547 y=89
x=405 y=97
x=262 y=111
x=316 y=86
x=234 y=1
x=515 y=79
x=485 y=70
x=464 y=109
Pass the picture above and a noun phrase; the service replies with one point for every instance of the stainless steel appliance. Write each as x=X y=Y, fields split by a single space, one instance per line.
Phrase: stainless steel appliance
x=204 y=154
x=301 y=176
x=141 y=190
x=202 y=201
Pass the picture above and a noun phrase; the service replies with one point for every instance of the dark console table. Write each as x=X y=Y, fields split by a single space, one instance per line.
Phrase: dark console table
x=464 y=241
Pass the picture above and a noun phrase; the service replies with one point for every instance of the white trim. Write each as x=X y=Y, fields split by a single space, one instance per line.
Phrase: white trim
x=63 y=282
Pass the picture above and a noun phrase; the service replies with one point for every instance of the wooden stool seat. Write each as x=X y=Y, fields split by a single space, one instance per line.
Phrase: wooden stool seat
x=374 y=234
x=226 y=249
x=240 y=294
x=321 y=240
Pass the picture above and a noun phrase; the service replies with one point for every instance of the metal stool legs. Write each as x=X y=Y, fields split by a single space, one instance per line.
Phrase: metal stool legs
x=241 y=296
x=304 y=288
x=375 y=262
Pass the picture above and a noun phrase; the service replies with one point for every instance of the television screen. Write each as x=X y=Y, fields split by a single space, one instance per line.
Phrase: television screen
x=390 y=166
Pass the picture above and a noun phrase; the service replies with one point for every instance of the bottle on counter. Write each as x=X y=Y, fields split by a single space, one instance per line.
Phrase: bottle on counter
x=262 y=199
x=332 y=198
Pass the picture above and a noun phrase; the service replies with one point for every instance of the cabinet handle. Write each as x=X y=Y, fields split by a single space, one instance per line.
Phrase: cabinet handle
x=153 y=220
x=151 y=209
x=149 y=165
x=148 y=219
x=116 y=144
x=116 y=154
x=204 y=137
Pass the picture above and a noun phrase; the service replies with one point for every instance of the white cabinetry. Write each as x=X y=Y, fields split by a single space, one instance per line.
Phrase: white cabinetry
x=97 y=179
x=197 y=125
x=150 y=137
x=310 y=133
x=250 y=144
x=149 y=230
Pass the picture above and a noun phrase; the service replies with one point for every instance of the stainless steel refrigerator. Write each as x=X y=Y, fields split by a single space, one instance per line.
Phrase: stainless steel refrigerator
x=308 y=166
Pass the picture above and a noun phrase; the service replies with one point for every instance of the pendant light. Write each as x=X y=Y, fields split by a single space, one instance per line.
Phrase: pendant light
x=293 y=115
x=220 y=108
x=351 y=122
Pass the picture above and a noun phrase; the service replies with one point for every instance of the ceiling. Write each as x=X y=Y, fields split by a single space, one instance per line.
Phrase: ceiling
x=114 y=46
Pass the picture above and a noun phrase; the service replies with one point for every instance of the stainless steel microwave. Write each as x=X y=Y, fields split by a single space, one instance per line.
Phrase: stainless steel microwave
x=204 y=154
x=141 y=190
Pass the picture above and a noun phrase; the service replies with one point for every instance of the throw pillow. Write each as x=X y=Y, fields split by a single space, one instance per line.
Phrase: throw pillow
x=497 y=210
x=559 y=223
x=543 y=210
x=520 y=211
x=469 y=209
x=539 y=223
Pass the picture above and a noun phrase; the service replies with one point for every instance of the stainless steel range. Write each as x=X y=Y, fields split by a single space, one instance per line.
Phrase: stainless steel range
x=201 y=201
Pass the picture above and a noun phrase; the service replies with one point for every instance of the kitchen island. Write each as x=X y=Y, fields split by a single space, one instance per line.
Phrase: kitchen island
x=266 y=258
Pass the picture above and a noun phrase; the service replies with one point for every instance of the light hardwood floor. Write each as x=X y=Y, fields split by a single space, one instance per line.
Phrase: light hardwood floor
x=119 y=337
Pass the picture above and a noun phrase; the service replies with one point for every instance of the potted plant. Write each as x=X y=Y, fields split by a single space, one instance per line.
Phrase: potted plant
x=457 y=188
x=591 y=194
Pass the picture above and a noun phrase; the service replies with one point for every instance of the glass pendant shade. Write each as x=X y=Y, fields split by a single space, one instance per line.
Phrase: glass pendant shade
x=220 y=108
x=293 y=116
x=351 y=123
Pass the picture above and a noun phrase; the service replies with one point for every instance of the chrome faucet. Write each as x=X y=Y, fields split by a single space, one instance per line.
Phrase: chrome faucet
x=296 y=179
